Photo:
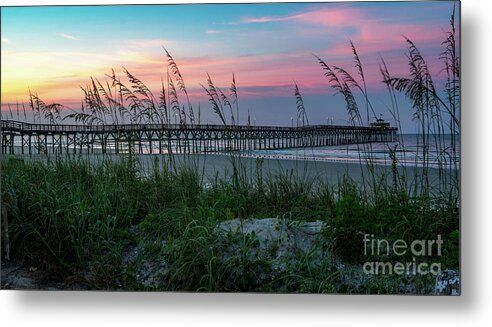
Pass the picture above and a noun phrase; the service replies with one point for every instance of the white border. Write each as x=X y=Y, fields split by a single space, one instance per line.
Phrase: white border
x=23 y=308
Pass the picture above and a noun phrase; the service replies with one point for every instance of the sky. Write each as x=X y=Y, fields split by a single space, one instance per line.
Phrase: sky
x=54 y=50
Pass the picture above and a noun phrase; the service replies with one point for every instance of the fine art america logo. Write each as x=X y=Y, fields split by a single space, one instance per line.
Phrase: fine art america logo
x=420 y=250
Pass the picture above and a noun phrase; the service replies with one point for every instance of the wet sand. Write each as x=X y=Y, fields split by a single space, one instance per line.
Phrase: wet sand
x=325 y=171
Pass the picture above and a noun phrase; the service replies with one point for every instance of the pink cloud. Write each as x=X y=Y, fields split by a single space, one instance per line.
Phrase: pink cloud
x=257 y=76
x=273 y=74
x=332 y=17
x=371 y=34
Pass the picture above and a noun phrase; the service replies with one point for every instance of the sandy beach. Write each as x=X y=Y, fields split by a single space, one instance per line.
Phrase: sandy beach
x=211 y=166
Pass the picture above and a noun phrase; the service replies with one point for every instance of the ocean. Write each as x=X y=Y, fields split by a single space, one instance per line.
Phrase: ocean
x=408 y=152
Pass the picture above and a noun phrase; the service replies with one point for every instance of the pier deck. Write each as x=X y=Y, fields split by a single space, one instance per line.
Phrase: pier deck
x=27 y=138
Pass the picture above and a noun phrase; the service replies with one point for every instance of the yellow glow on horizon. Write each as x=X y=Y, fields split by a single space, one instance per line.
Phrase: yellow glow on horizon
x=58 y=75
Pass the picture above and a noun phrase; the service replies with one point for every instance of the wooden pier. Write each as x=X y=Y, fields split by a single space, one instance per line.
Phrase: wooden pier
x=25 y=138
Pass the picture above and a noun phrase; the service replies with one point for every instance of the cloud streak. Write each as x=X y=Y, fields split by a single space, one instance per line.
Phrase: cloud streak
x=68 y=37
x=213 y=32
x=325 y=16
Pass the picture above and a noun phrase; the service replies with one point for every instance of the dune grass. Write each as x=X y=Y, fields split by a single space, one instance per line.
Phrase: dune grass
x=73 y=220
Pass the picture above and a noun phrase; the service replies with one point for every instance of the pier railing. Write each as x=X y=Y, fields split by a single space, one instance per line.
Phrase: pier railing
x=12 y=125
x=22 y=137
